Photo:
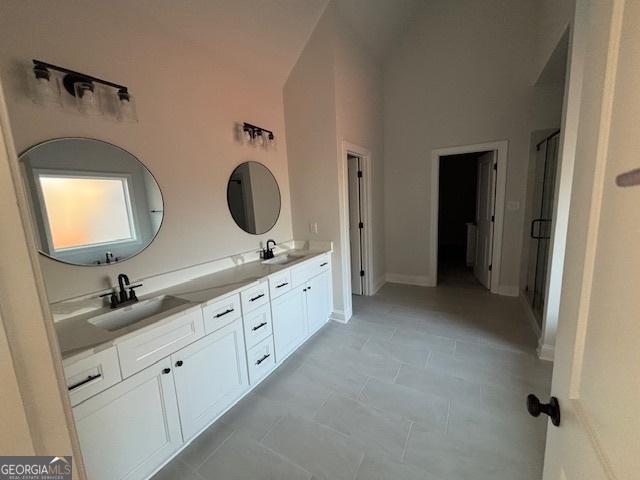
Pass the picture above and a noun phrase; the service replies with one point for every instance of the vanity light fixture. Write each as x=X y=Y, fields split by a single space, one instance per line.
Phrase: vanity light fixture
x=258 y=135
x=87 y=90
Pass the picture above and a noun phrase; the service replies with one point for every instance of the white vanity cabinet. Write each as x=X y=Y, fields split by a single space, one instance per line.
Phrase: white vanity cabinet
x=137 y=402
x=289 y=313
x=129 y=430
x=210 y=375
x=318 y=298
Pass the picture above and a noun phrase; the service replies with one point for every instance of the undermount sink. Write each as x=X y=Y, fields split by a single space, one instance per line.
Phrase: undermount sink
x=136 y=312
x=284 y=259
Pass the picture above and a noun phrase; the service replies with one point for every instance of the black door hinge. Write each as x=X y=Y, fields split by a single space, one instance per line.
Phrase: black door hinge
x=495 y=166
x=359 y=173
x=362 y=273
x=493 y=218
x=490 y=267
x=361 y=225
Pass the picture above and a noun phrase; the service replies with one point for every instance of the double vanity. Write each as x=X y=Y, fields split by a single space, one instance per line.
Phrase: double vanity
x=147 y=378
x=147 y=374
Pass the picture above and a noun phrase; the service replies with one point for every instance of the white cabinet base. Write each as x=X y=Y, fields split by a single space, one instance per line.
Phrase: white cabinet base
x=129 y=430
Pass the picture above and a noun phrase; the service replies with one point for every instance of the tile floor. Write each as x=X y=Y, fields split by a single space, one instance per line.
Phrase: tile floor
x=422 y=383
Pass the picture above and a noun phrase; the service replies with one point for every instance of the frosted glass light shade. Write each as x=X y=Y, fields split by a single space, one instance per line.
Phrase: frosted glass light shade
x=44 y=86
x=87 y=98
x=126 y=108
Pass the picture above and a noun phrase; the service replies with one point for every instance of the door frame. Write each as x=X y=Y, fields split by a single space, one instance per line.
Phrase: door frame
x=42 y=416
x=501 y=148
x=367 y=218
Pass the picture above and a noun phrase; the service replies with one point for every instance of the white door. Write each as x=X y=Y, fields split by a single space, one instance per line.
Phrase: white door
x=597 y=369
x=289 y=317
x=210 y=375
x=355 y=232
x=484 y=218
x=129 y=430
x=318 y=301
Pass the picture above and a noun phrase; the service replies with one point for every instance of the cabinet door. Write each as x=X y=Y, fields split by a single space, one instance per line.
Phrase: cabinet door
x=129 y=430
x=210 y=375
x=318 y=295
x=289 y=322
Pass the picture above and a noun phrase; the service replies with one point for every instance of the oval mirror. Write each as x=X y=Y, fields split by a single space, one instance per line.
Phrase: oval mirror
x=93 y=203
x=253 y=197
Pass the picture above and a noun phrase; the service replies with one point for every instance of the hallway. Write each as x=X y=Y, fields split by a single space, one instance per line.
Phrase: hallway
x=421 y=383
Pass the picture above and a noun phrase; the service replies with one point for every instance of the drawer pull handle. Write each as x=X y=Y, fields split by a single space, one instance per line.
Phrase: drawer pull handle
x=256 y=297
x=229 y=310
x=258 y=362
x=179 y=363
x=166 y=370
x=90 y=378
x=259 y=326
x=323 y=264
x=282 y=285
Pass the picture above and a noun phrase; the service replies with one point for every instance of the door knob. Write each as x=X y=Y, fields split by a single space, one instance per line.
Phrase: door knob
x=552 y=408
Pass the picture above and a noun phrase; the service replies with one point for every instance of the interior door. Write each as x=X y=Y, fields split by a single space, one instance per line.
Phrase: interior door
x=597 y=368
x=484 y=218
x=355 y=217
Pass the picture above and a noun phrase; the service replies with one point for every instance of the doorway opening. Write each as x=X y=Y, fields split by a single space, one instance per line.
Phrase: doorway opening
x=356 y=223
x=489 y=161
x=465 y=228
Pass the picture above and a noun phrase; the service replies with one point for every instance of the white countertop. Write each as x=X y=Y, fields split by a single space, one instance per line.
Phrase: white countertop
x=79 y=338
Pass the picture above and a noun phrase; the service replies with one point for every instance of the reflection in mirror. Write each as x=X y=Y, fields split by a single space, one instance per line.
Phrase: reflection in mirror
x=93 y=203
x=253 y=197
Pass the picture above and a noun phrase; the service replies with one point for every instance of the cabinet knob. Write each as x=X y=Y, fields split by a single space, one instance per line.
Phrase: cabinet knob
x=166 y=370
x=535 y=408
x=179 y=363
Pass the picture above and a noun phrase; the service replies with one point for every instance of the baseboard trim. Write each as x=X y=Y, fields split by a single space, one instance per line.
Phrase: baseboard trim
x=338 y=316
x=379 y=282
x=509 y=290
x=533 y=322
x=547 y=352
x=417 y=280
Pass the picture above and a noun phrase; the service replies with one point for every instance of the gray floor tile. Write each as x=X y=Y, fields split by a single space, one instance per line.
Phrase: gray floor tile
x=326 y=453
x=381 y=468
x=374 y=429
x=424 y=383
x=205 y=444
x=242 y=458
x=414 y=405
x=176 y=469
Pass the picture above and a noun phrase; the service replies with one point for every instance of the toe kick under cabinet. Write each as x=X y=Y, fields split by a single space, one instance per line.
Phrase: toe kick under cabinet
x=139 y=410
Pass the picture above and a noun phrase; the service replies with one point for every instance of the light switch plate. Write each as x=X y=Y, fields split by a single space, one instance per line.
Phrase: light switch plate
x=313 y=227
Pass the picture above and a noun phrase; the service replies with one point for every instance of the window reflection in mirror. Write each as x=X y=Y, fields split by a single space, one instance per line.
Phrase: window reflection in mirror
x=93 y=203
x=253 y=197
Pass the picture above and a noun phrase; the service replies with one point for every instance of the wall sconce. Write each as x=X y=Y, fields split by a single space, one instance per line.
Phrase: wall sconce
x=90 y=92
x=257 y=135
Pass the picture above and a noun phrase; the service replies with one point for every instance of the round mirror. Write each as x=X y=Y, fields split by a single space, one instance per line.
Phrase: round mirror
x=253 y=197
x=93 y=203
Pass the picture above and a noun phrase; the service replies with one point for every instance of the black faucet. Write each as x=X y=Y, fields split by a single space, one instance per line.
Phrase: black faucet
x=122 y=281
x=122 y=298
x=268 y=252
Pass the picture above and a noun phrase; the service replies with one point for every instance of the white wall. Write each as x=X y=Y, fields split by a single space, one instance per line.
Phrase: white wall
x=187 y=102
x=462 y=75
x=333 y=94
x=552 y=19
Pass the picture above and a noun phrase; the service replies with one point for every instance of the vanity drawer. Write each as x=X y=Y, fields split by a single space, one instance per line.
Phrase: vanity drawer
x=92 y=375
x=279 y=283
x=254 y=297
x=261 y=360
x=219 y=313
x=257 y=325
x=309 y=269
x=158 y=342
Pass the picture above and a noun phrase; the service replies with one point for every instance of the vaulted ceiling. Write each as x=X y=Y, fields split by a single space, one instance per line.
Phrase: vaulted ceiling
x=266 y=37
